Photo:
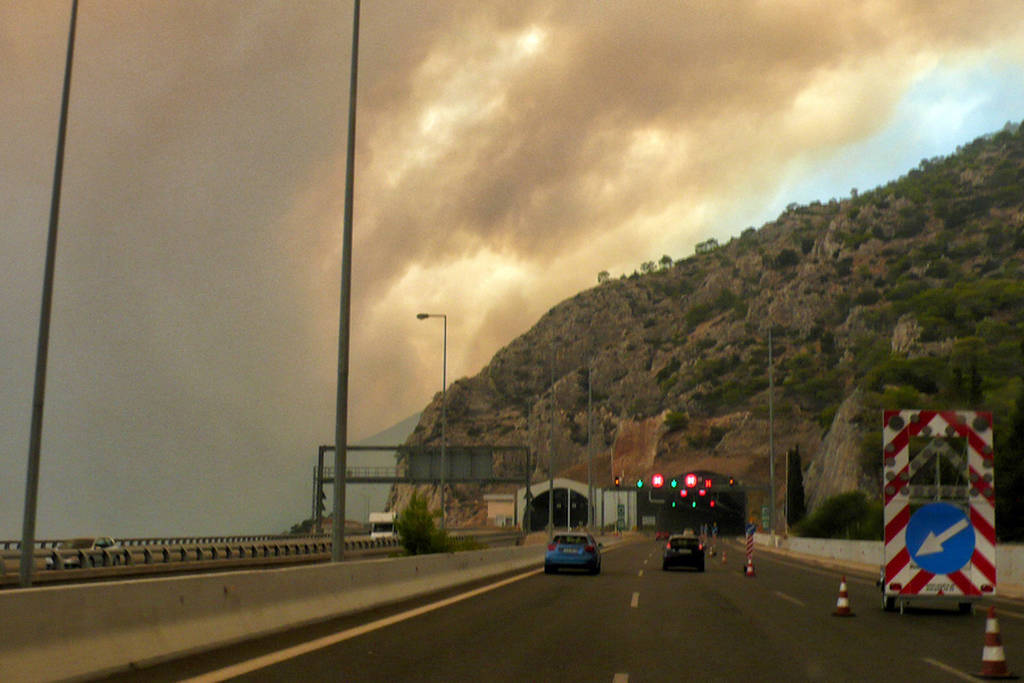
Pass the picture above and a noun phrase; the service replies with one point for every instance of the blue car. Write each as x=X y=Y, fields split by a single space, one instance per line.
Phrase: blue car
x=573 y=550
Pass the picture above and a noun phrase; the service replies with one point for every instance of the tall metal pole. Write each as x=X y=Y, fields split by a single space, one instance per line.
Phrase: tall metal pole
x=590 y=450
x=28 y=530
x=444 y=399
x=771 y=442
x=444 y=409
x=551 y=453
x=341 y=411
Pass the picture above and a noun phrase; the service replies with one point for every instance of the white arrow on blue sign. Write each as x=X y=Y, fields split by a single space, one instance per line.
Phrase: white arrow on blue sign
x=940 y=538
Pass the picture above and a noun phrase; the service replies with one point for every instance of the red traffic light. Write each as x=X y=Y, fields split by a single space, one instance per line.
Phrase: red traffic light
x=657 y=481
x=691 y=480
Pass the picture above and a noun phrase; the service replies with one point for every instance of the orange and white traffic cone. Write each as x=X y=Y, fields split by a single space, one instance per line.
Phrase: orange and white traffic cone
x=993 y=660
x=843 y=603
x=750 y=568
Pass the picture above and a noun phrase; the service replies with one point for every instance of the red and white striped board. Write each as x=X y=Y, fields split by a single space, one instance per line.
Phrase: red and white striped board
x=904 y=577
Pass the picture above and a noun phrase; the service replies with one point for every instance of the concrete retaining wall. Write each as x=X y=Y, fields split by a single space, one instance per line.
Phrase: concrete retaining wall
x=1009 y=556
x=61 y=632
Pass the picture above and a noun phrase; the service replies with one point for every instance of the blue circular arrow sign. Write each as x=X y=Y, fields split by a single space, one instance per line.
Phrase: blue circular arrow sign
x=940 y=538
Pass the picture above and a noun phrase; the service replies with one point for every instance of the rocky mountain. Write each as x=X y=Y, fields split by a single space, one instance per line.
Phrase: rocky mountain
x=908 y=295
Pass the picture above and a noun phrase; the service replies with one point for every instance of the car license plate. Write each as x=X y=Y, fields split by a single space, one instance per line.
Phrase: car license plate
x=571 y=551
x=683 y=551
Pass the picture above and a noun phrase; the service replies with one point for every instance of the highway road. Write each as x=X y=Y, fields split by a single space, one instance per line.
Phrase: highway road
x=632 y=623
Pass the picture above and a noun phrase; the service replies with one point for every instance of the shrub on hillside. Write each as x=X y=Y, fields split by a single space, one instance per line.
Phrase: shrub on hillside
x=849 y=515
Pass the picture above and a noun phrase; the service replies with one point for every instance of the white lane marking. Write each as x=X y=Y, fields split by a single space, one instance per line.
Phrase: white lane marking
x=305 y=648
x=620 y=678
x=948 y=669
x=640 y=573
x=790 y=598
x=635 y=601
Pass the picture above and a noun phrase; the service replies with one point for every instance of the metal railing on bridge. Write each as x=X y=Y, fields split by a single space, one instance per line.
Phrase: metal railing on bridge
x=140 y=557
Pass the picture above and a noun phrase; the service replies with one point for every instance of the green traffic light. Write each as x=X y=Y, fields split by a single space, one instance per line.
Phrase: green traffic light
x=693 y=504
x=674 y=483
x=639 y=483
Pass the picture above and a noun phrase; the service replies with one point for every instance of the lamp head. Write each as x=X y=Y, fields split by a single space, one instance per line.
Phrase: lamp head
x=422 y=316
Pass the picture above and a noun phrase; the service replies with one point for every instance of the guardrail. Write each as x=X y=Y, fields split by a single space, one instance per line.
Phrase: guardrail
x=173 y=540
x=54 y=565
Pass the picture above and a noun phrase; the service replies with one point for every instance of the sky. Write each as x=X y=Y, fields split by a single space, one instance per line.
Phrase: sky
x=506 y=152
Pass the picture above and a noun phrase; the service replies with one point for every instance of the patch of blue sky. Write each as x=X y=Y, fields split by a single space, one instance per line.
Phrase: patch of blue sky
x=947 y=106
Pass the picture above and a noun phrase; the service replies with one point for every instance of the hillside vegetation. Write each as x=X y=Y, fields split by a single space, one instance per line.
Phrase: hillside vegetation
x=905 y=296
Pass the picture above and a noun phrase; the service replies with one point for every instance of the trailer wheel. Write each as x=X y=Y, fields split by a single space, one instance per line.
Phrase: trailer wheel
x=888 y=603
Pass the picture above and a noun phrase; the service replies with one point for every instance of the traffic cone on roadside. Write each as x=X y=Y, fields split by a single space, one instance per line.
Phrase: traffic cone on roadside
x=993 y=660
x=750 y=568
x=843 y=603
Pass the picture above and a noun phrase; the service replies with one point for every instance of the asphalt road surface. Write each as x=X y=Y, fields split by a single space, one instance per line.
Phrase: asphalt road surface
x=633 y=622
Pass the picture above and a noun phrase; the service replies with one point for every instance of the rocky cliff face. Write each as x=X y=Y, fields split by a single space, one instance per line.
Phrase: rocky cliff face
x=870 y=300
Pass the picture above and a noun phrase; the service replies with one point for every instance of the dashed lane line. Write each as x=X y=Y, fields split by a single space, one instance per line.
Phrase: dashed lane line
x=635 y=600
x=948 y=669
x=790 y=598
x=620 y=678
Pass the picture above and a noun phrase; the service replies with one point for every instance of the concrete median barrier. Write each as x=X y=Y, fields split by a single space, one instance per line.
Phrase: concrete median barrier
x=61 y=632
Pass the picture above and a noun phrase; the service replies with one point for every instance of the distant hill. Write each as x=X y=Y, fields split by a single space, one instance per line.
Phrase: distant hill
x=907 y=295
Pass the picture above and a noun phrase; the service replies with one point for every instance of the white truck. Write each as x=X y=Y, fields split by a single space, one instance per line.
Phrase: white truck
x=382 y=525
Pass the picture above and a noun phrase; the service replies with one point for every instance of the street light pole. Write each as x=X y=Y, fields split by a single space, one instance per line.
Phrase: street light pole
x=444 y=402
x=28 y=529
x=345 y=310
x=590 y=450
x=771 y=443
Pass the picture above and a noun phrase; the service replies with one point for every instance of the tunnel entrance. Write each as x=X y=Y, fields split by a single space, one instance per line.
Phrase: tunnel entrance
x=575 y=513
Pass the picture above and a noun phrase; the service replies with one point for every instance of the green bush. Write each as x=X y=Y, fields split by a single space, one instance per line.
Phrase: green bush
x=849 y=515
x=675 y=420
x=417 y=531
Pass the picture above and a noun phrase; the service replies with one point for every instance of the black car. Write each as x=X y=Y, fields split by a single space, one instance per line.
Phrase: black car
x=683 y=551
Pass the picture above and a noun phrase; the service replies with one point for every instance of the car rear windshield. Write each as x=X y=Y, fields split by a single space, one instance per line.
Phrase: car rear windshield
x=685 y=542
x=572 y=540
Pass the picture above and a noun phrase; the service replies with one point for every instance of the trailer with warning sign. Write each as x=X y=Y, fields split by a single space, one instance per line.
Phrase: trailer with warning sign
x=939 y=495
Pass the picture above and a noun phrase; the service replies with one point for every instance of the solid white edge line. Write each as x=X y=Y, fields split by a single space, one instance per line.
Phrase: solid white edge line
x=948 y=669
x=635 y=600
x=326 y=641
x=620 y=678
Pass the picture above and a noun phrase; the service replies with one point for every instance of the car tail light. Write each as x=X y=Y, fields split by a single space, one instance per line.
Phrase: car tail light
x=668 y=546
x=986 y=588
x=895 y=586
x=700 y=546
x=552 y=546
x=589 y=548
